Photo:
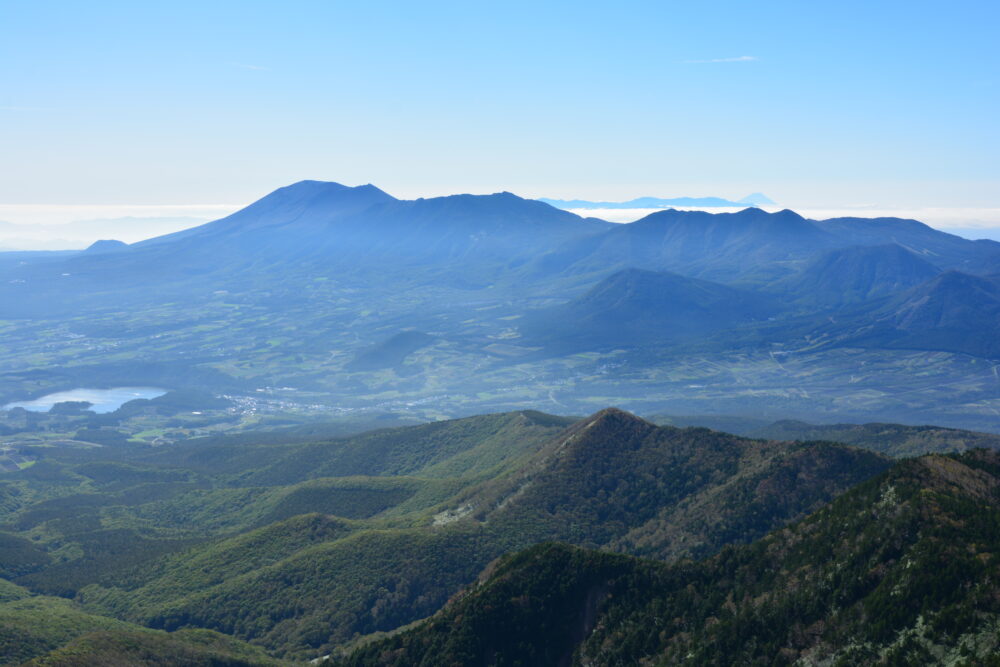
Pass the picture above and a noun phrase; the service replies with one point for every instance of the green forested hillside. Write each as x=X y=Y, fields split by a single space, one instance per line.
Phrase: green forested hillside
x=55 y=631
x=302 y=548
x=191 y=648
x=617 y=481
x=612 y=481
x=140 y=532
x=902 y=569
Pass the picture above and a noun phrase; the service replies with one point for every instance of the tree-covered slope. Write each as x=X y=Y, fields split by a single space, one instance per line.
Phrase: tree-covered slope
x=310 y=583
x=616 y=481
x=146 y=648
x=448 y=448
x=902 y=569
x=55 y=631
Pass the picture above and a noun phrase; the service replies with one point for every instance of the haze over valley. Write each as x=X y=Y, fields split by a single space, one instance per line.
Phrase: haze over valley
x=327 y=299
x=417 y=334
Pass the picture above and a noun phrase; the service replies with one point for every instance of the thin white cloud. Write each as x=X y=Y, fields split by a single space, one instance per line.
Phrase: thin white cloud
x=736 y=59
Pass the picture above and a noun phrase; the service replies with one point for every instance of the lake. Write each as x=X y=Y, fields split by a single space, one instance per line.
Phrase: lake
x=104 y=400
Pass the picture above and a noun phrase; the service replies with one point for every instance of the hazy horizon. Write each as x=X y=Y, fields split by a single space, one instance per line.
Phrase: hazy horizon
x=818 y=109
x=68 y=226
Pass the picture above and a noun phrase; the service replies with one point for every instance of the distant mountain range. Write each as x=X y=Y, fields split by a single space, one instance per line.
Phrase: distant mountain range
x=755 y=199
x=352 y=294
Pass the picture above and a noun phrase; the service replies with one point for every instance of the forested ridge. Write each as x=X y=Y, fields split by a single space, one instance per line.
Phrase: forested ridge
x=901 y=570
x=264 y=542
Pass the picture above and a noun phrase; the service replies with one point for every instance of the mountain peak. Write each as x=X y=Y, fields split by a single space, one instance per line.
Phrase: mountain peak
x=106 y=245
x=309 y=189
x=784 y=215
x=750 y=213
x=304 y=203
x=613 y=415
x=757 y=199
x=611 y=425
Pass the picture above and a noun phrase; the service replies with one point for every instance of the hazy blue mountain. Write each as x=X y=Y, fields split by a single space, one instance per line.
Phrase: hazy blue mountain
x=301 y=287
x=943 y=250
x=329 y=226
x=309 y=229
x=459 y=229
x=297 y=208
x=857 y=273
x=722 y=247
x=755 y=246
x=977 y=233
x=475 y=240
x=954 y=312
x=106 y=245
x=755 y=199
x=634 y=307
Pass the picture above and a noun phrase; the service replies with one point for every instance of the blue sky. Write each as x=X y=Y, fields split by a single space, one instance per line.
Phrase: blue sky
x=813 y=103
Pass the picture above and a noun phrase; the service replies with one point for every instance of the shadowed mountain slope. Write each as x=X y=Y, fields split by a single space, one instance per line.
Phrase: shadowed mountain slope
x=723 y=246
x=857 y=273
x=635 y=307
x=299 y=206
x=900 y=570
x=943 y=250
x=365 y=228
x=954 y=311
x=310 y=229
x=755 y=246
x=391 y=352
x=620 y=482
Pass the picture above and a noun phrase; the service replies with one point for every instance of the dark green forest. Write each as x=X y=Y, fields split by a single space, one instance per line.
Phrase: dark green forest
x=294 y=548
